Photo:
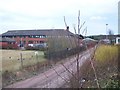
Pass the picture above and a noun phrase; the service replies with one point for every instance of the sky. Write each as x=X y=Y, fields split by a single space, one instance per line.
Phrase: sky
x=49 y=14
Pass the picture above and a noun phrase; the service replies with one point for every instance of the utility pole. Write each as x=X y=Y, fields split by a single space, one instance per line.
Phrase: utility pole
x=106 y=31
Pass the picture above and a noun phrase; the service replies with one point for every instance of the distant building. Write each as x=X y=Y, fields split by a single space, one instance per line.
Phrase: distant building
x=6 y=43
x=89 y=42
x=117 y=40
x=26 y=38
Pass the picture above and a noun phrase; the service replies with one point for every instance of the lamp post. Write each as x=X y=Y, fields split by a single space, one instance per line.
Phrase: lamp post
x=106 y=30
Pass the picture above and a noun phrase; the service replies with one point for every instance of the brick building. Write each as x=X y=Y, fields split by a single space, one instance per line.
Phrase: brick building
x=6 y=43
x=25 y=38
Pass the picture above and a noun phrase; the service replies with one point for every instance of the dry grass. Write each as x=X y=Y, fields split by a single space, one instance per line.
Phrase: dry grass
x=12 y=70
x=11 y=59
x=106 y=53
x=106 y=66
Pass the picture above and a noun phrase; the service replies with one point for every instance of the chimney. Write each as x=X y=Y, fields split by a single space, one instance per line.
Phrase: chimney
x=67 y=28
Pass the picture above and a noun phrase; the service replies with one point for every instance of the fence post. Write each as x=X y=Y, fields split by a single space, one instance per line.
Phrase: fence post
x=21 y=59
x=36 y=55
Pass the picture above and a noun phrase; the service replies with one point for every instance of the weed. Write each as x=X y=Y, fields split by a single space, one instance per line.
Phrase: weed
x=106 y=53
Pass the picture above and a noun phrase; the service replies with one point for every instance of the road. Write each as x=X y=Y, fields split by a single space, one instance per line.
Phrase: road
x=55 y=77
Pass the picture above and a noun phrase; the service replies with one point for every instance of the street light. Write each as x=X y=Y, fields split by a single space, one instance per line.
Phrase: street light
x=106 y=31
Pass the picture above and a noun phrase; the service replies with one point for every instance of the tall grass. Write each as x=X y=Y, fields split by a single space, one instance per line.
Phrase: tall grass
x=106 y=67
x=11 y=59
x=106 y=53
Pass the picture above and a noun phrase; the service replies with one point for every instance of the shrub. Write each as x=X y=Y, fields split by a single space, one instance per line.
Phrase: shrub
x=112 y=84
x=55 y=55
x=106 y=53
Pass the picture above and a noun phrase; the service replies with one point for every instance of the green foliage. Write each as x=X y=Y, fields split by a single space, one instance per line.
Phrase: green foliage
x=112 y=84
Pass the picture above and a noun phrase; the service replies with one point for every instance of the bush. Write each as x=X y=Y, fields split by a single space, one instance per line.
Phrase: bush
x=112 y=84
x=63 y=53
x=35 y=48
x=106 y=53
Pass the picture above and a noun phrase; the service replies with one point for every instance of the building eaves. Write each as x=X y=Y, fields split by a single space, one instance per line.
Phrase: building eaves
x=48 y=32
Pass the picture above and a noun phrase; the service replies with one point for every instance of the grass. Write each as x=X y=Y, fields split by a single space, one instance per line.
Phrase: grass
x=11 y=59
x=107 y=58
x=106 y=66
x=106 y=53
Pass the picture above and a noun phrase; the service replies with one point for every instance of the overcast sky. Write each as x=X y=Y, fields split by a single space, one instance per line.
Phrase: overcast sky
x=48 y=14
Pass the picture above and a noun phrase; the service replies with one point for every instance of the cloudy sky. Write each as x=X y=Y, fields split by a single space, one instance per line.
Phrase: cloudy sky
x=48 y=14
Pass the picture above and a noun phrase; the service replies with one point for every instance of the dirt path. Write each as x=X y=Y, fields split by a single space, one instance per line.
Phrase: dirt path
x=55 y=77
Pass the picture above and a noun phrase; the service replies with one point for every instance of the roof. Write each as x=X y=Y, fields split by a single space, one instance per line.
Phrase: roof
x=6 y=40
x=89 y=40
x=80 y=36
x=48 y=32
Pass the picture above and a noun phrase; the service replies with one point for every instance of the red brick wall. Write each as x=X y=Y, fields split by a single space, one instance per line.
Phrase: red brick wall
x=3 y=44
x=7 y=45
x=27 y=39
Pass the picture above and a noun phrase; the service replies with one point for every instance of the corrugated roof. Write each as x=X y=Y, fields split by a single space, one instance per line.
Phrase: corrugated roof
x=48 y=32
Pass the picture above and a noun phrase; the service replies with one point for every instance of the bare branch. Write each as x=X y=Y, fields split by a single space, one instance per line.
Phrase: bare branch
x=74 y=29
x=69 y=71
x=67 y=81
x=92 y=65
x=84 y=30
x=79 y=22
x=65 y=22
x=82 y=25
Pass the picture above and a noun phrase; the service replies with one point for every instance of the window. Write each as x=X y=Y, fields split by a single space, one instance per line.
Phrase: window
x=118 y=40
x=42 y=36
x=30 y=42
x=10 y=36
x=37 y=36
x=41 y=41
x=14 y=37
